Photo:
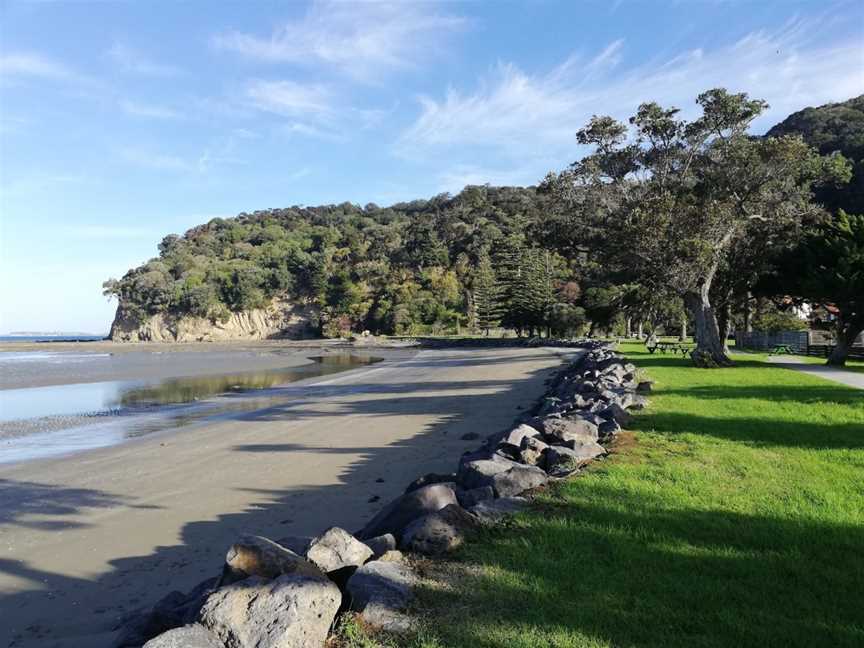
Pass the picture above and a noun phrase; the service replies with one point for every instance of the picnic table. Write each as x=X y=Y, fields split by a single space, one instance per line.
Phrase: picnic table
x=671 y=347
x=782 y=348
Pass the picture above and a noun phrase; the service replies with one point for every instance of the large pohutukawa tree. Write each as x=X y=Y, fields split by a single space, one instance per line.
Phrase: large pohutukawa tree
x=665 y=199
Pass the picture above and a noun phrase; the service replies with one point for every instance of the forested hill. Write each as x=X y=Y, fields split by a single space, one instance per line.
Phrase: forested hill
x=409 y=268
x=837 y=127
x=486 y=256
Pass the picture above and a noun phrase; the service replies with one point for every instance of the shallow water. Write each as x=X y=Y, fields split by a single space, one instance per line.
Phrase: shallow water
x=38 y=422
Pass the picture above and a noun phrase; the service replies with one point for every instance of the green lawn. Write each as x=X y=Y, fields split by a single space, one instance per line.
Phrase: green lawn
x=734 y=516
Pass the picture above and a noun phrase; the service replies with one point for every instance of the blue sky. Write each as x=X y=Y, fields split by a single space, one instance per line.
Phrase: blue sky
x=122 y=122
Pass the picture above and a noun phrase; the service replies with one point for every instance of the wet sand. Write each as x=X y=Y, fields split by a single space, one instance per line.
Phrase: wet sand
x=59 y=363
x=87 y=539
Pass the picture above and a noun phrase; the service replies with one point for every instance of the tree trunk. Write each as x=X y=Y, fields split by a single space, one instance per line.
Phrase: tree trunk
x=845 y=339
x=710 y=350
x=683 y=336
x=639 y=330
x=748 y=317
x=724 y=323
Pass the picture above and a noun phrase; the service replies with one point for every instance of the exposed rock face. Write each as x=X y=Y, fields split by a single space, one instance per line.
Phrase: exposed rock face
x=292 y=611
x=282 y=319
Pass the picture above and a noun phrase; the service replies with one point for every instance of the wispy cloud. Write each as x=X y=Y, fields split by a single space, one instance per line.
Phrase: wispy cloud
x=461 y=175
x=362 y=40
x=523 y=116
x=311 y=110
x=151 y=111
x=157 y=161
x=134 y=62
x=33 y=65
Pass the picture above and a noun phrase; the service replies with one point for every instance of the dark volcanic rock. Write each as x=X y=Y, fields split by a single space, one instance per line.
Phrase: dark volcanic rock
x=399 y=513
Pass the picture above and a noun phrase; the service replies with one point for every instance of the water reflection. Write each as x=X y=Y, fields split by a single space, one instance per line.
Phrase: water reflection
x=47 y=421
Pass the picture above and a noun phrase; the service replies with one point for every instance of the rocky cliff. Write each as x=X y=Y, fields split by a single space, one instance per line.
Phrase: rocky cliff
x=279 y=320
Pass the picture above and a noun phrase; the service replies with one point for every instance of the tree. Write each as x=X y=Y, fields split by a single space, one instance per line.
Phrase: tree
x=828 y=268
x=668 y=204
x=487 y=296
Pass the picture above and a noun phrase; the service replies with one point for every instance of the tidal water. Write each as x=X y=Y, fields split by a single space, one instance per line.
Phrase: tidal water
x=38 y=422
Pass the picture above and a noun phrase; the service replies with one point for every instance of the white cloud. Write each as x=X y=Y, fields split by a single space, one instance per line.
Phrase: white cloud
x=291 y=99
x=524 y=116
x=157 y=161
x=362 y=40
x=149 y=110
x=134 y=62
x=28 y=64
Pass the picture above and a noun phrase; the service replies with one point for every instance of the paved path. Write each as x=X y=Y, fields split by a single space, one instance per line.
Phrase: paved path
x=851 y=378
x=88 y=538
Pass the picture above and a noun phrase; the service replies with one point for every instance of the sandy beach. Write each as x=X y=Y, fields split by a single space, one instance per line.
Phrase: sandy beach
x=87 y=539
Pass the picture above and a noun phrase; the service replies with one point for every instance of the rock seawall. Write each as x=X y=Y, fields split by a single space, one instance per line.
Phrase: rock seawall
x=288 y=593
x=281 y=319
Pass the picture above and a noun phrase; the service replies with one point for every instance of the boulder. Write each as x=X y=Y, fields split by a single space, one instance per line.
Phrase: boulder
x=394 y=517
x=258 y=556
x=532 y=451
x=493 y=511
x=637 y=402
x=469 y=498
x=394 y=555
x=430 y=478
x=297 y=544
x=336 y=549
x=380 y=592
x=479 y=473
x=569 y=429
x=190 y=636
x=618 y=414
x=515 y=436
x=517 y=480
x=609 y=429
x=381 y=545
x=171 y=611
x=291 y=611
x=561 y=461
x=645 y=387
x=439 y=532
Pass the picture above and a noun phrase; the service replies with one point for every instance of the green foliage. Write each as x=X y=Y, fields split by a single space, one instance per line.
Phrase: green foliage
x=775 y=321
x=403 y=269
x=834 y=128
x=487 y=304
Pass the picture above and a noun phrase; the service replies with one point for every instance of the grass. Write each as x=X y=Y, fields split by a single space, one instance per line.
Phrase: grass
x=733 y=516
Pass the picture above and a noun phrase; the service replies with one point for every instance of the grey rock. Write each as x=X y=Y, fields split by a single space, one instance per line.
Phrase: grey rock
x=478 y=473
x=468 y=498
x=259 y=556
x=190 y=636
x=561 y=461
x=532 y=451
x=493 y=511
x=394 y=517
x=618 y=414
x=645 y=387
x=430 y=478
x=609 y=429
x=336 y=549
x=517 y=480
x=638 y=402
x=381 y=544
x=381 y=592
x=291 y=611
x=515 y=436
x=439 y=532
x=569 y=429
x=297 y=544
